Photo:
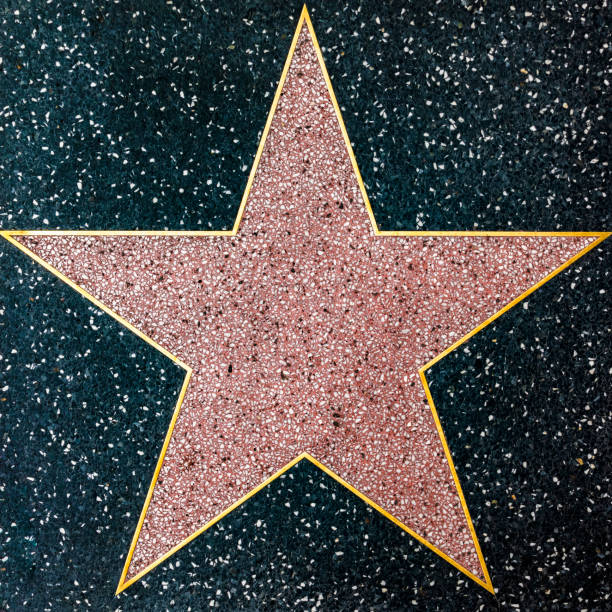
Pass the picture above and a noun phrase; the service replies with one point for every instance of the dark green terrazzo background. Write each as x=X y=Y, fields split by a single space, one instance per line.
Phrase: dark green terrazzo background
x=133 y=114
x=90 y=93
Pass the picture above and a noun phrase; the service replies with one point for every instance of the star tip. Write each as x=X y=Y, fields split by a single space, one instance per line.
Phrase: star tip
x=489 y=586
x=485 y=579
x=598 y=238
x=305 y=16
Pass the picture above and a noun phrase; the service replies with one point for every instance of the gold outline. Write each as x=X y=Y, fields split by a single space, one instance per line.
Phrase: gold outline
x=9 y=236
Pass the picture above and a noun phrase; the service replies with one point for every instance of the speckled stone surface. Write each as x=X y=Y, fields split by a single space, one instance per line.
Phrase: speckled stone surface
x=305 y=332
x=536 y=459
x=283 y=551
x=464 y=114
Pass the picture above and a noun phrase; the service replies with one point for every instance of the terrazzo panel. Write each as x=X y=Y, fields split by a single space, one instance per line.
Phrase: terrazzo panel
x=305 y=332
x=79 y=155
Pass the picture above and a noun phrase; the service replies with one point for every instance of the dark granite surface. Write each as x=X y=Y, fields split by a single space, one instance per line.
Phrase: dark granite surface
x=125 y=115
x=80 y=124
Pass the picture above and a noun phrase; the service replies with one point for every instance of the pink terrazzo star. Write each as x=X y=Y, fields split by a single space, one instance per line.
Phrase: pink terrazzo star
x=305 y=332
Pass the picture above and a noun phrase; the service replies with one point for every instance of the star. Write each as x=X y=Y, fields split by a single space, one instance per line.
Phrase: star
x=305 y=331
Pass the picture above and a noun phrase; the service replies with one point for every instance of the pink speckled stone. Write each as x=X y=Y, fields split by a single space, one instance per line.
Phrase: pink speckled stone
x=305 y=332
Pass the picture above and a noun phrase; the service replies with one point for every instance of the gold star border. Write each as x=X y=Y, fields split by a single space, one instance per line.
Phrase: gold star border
x=9 y=236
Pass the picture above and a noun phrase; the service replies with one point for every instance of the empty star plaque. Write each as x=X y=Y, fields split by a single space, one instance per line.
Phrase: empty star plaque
x=305 y=332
